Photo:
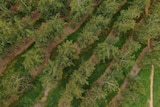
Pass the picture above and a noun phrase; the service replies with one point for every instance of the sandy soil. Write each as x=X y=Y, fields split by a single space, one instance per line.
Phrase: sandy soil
x=151 y=87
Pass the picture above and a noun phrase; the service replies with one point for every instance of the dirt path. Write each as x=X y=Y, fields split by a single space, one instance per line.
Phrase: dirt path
x=107 y=69
x=67 y=31
x=112 y=61
x=12 y=54
x=47 y=53
x=122 y=49
x=151 y=87
x=134 y=71
x=43 y=99
x=22 y=47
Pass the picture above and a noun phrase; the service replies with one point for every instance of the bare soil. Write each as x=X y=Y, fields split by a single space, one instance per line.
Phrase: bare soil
x=134 y=71
x=151 y=87
x=12 y=54
x=67 y=31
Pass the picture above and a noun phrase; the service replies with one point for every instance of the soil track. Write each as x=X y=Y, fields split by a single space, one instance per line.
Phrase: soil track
x=20 y=48
x=122 y=48
x=67 y=31
x=134 y=71
x=151 y=87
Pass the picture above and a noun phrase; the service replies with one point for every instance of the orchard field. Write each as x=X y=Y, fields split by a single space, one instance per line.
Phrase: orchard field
x=79 y=53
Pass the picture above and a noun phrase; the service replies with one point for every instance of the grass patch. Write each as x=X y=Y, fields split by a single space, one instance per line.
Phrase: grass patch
x=16 y=65
x=122 y=40
x=142 y=100
x=100 y=69
x=74 y=36
x=126 y=71
x=55 y=94
x=156 y=86
x=15 y=69
x=31 y=95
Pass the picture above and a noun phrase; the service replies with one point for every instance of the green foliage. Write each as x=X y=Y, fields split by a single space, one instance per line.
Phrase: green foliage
x=78 y=80
x=91 y=31
x=17 y=25
x=29 y=96
x=50 y=74
x=50 y=30
x=80 y=8
x=26 y=6
x=49 y=8
x=126 y=56
x=4 y=11
x=110 y=8
x=108 y=83
x=4 y=30
x=156 y=90
x=13 y=85
x=66 y=53
x=127 y=19
x=74 y=89
x=99 y=91
x=33 y=58
x=12 y=33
